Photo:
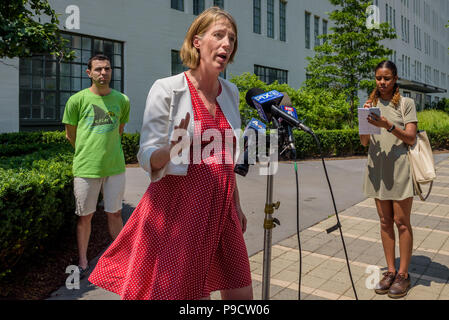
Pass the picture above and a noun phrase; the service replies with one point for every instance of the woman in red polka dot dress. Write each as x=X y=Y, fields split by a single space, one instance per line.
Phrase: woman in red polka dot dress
x=185 y=237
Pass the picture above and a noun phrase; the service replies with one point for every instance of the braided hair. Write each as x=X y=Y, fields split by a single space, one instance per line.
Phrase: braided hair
x=375 y=94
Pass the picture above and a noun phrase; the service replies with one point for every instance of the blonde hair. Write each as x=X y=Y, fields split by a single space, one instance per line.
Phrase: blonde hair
x=190 y=56
x=375 y=94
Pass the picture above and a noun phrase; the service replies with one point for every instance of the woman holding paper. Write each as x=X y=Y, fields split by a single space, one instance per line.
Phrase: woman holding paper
x=388 y=179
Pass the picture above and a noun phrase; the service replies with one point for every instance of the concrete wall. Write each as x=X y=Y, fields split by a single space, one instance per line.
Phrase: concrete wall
x=9 y=95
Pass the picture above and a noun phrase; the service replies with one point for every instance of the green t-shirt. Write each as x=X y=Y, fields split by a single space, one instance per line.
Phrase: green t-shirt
x=98 y=148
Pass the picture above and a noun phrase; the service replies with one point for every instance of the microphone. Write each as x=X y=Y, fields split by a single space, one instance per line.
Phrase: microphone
x=288 y=145
x=250 y=136
x=267 y=103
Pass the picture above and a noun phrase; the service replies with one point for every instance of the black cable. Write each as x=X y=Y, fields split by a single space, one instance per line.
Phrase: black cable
x=297 y=230
x=336 y=213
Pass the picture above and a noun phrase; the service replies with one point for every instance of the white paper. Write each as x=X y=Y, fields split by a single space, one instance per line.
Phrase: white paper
x=364 y=126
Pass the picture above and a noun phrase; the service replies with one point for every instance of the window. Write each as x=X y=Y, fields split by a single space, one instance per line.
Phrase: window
x=402 y=28
x=198 y=6
x=269 y=75
x=408 y=31
x=391 y=17
x=316 y=32
x=418 y=101
x=386 y=11
x=256 y=16
x=394 y=19
x=324 y=30
x=282 y=21
x=45 y=85
x=219 y=3
x=176 y=63
x=436 y=77
x=270 y=18
x=177 y=5
x=307 y=30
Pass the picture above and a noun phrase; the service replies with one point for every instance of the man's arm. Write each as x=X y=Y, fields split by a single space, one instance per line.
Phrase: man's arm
x=70 y=134
x=121 y=128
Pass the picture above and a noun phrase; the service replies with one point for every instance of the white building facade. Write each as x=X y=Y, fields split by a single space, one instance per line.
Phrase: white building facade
x=143 y=38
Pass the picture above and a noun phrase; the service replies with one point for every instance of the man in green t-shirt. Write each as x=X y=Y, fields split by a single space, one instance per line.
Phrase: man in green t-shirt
x=94 y=119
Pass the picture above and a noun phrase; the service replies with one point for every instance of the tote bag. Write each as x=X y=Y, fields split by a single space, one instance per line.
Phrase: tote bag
x=421 y=161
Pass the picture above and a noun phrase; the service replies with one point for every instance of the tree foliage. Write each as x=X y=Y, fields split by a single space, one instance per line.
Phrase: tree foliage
x=22 y=34
x=348 y=55
x=318 y=108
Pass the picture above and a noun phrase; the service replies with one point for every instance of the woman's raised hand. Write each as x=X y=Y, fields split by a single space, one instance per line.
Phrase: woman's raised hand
x=181 y=130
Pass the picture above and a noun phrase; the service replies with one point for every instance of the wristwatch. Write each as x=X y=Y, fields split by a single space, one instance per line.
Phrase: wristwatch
x=392 y=128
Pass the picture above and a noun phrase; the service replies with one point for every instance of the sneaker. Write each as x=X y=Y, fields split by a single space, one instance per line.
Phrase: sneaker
x=384 y=285
x=400 y=286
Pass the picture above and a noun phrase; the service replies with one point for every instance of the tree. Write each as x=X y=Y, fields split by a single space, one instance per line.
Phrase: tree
x=348 y=55
x=22 y=34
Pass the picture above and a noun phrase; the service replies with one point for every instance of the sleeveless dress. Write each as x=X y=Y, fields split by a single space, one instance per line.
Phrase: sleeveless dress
x=388 y=175
x=184 y=239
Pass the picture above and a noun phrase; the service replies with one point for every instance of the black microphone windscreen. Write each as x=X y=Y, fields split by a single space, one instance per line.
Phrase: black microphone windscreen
x=286 y=101
x=251 y=93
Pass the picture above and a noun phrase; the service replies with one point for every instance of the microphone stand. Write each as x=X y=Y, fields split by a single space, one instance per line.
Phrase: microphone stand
x=269 y=224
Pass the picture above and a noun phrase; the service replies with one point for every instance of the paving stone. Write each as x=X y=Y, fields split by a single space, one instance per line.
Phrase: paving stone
x=287 y=275
x=334 y=287
x=286 y=294
x=311 y=281
x=322 y=272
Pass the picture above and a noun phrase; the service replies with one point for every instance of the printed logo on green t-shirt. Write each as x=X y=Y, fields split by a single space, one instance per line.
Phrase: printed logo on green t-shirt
x=101 y=121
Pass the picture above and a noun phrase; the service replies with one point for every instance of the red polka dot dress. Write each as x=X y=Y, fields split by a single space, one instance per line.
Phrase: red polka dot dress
x=184 y=239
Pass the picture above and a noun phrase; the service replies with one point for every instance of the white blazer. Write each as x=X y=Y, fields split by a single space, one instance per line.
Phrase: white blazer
x=167 y=104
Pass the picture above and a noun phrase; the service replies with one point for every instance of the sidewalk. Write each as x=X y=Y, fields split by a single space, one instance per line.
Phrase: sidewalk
x=324 y=271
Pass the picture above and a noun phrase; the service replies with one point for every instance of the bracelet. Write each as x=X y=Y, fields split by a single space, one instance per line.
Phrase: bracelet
x=392 y=128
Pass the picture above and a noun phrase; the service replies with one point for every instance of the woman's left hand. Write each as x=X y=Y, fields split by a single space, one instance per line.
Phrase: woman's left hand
x=242 y=218
x=378 y=121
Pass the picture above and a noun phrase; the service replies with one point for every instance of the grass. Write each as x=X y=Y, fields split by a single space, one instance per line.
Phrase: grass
x=433 y=120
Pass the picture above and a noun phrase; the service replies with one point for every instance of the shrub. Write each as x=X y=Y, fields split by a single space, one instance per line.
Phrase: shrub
x=130 y=146
x=334 y=143
x=434 y=120
x=36 y=203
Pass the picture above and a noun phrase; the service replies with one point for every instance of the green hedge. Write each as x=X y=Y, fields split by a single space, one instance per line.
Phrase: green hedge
x=130 y=146
x=36 y=195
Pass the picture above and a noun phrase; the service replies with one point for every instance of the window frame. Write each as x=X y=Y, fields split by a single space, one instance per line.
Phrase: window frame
x=270 y=19
x=177 y=5
x=197 y=5
x=307 y=16
x=268 y=72
x=219 y=3
x=282 y=20
x=257 y=16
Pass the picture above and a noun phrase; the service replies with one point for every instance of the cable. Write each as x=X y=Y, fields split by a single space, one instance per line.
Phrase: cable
x=297 y=230
x=336 y=213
